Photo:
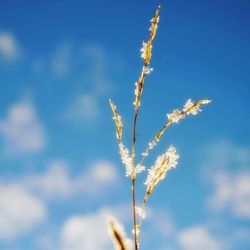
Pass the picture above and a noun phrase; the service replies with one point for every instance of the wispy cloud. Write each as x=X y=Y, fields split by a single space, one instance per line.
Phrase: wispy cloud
x=196 y=238
x=224 y=155
x=98 y=68
x=24 y=201
x=20 y=211
x=21 y=130
x=89 y=231
x=60 y=63
x=227 y=170
x=9 y=47
x=86 y=232
x=231 y=193
x=100 y=176
x=84 y=108
x=96 y=83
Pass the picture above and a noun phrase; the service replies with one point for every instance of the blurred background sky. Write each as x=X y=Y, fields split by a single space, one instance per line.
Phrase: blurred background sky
x=60 y=171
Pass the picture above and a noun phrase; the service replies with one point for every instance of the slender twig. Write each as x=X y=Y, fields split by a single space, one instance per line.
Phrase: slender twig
x=180 y=115
x=164 y=162
x=155 y=140
x=146 y=55
x=134 y=215
x=141 y=215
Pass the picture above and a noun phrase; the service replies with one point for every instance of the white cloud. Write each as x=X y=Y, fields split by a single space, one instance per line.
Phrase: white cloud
x=9 y=48
x=22 y=131
x=84 y=108
x=159 y=221
x=99 y=63
x=61 y=60
x=86 y=232
x=231 y=193
x=54 y=182
x=224 y=155
x=99 y=176
x=20 y=211
x=89 y=231
x=158 y=226
x=86 y=105
x=197 y=238
x=226 y=169
x=93 y=182
x=23 y=201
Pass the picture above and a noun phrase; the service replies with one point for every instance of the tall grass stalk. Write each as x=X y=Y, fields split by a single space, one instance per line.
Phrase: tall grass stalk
x=164 y=162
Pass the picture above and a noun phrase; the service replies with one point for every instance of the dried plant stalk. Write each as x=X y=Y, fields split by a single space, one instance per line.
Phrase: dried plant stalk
x=117 y=233
x=164 y=162
x=146 y=54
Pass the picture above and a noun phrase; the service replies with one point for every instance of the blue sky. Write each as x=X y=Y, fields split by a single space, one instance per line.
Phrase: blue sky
x=60 y=171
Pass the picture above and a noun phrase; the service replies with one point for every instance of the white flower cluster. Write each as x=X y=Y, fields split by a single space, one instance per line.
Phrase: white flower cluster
x=118 y=120
x=162 y=164
x=154 y=26
x=127 y=161
x=175 y=116
x=137 y=230
x=189 y=108
x=144 y=50
x=137 y=101
x=140 y=212
x=147 y=70
x=139 y=168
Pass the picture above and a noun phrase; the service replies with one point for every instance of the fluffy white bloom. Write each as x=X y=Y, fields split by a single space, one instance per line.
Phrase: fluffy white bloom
x=148 y=70
x=146 y=51
x=175 y=116
x=141 y=213
x=126 y=159
x=143 y=50
x=137 y=230
x=118 y=120
x=162 y=164
x=188 y=108
x=139 y=168
x=152 y=144
x=137 y=100
x=193 y=108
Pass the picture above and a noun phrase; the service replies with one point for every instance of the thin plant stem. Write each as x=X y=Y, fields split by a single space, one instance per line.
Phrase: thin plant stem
x=167 y=124
x=141 y=215
x=133 y=180
x=140 y=85
x=155 y=140
x=134 y=214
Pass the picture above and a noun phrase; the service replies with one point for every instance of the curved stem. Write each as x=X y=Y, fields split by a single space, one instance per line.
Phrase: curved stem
x=155 y=140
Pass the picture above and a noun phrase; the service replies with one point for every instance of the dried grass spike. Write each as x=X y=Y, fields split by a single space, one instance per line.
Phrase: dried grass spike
x=193 y=108
x=118 y=121
x=146 y=54
x=146 y=51
x=117 y=233
x=158 y=171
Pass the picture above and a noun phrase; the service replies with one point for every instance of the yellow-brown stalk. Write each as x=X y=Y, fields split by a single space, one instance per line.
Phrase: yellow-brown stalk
x=138 y=92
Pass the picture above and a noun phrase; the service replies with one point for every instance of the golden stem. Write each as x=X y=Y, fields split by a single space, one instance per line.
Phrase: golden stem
x=134 y=214
x=155 y=140
x=142 y=211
